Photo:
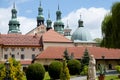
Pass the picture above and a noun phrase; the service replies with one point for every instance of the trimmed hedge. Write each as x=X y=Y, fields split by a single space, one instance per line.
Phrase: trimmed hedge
x=74 y=67
x=54 y=69
x=35 y=71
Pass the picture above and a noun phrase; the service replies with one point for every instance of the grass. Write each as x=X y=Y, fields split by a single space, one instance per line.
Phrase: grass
x=112 y=77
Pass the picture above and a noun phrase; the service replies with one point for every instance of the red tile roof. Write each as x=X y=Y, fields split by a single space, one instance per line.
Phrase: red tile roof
x=19 y=40
x=52 y=36
x=98 y=52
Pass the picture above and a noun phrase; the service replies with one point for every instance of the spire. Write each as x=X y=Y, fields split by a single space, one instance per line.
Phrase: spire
x=58 y=6
x=80 y=22
x=13 y=23
x=40 y=17
x=49 y=22
x=67 y=24
x=58 y=24
x=58 y=14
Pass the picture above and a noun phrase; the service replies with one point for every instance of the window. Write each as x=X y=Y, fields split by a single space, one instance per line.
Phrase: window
x=12 y=55
x=22 y=56
x=13 y=49
x=40 y=49
x=6 y=49
x=5 y=56
x=33 y=49
x=22 y=49
x=33 y=56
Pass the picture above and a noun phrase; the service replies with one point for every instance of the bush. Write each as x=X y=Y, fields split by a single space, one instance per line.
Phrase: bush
x=74 y=67
x=54 y=69
x=64 y=75
x=84 y=71
x=117 y=68
x=35 y=71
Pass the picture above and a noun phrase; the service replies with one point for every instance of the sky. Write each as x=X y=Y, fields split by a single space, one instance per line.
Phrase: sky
x=92 y=13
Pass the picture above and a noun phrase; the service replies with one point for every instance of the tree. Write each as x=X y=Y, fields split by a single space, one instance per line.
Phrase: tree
x=74 y=66
x=15 y=70
x=64 y=74
x=111 y=28
x=54 y=69
x=85 y=60
x=66 y=55
x=35 y=71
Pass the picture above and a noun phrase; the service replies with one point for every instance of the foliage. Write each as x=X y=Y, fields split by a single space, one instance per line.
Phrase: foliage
x=64 y=75
x=35 y=71
x=15 y=71
x=85 y=60
x=117 y=68
x=54 y=69
x=84 y=71
x=101 y=69
x=66 y=55
x=74 y=67
x=111 y=28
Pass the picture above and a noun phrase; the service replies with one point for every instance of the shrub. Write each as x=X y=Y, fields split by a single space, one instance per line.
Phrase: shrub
x=54 y=69
x=64 y=75
x=35 y=71
x=74 y=67
x=84 y=71
x=117 y=68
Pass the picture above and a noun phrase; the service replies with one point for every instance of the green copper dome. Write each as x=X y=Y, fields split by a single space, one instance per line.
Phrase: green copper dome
x=58 y=22
x=14 y=25
x=13 y=21
x=81 y=33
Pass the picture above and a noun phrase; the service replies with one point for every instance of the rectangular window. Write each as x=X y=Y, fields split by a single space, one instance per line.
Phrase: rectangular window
x=22 y=49
x=13 y=49
x=6 y=49
x=40 y=49
x=12 y=55
x=5 y=56
x=33 y=49
x=22 y=56
x=33 y=56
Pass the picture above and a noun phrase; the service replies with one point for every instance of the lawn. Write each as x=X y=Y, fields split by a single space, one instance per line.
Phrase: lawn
x=112 y=77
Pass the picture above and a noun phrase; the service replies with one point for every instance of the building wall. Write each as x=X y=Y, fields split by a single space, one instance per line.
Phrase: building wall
x=109 y=64
x=18 y=51
x=1 y=52
x=47 y=44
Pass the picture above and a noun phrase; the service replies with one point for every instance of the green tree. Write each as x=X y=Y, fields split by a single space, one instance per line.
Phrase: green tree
x=66 y=55
x=64 y=75
x=54 y=69
x=35 y=71
x=15 y=70
x=85 y=60
x=111 y=28
x=74 y=66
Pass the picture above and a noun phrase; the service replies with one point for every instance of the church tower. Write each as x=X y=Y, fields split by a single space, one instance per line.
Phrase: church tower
x=49 y=23
x=67 y=31
x=40 y=17
x=13 y=23
x=58 y=24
